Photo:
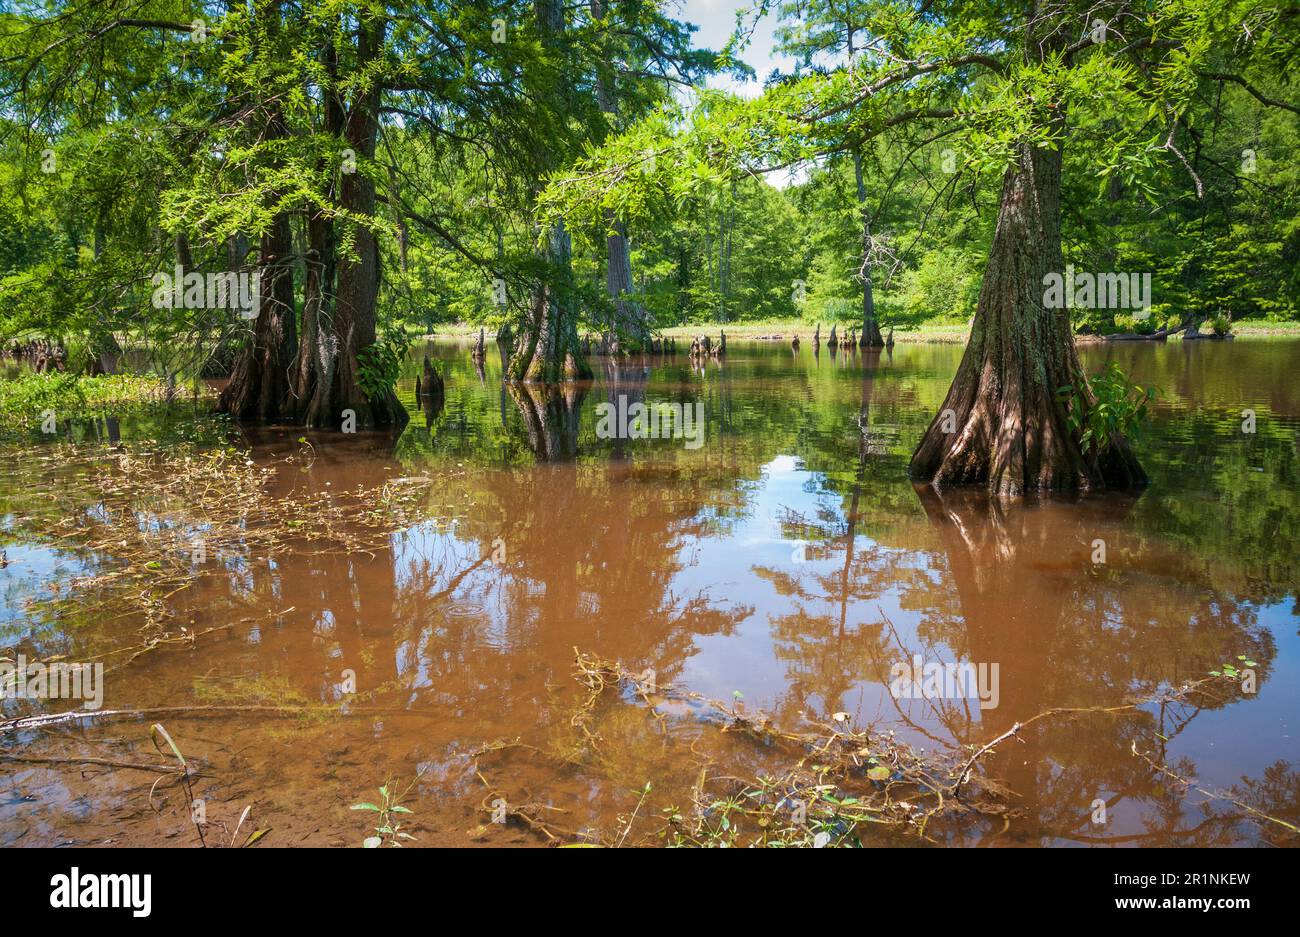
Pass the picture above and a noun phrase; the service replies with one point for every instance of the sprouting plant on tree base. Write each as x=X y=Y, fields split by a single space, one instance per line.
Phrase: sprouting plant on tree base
x=379 y=365
x=1120 y=408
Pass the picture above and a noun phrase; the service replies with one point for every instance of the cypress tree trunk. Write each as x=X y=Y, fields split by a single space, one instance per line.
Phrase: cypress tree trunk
x=358 y=276
x=547 y=349
x=629 y=316
x=336 y=333
x=318 y=350
x=1008 y=425
x=259 y=383
x=871 y=337
x=259 y=387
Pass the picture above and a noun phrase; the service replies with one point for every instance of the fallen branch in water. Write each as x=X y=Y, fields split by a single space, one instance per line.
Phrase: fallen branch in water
x=1166 y=771
x=893 y=786
x=838 y=781
x=1014 y=731
x=99 y=762
x=47 y=720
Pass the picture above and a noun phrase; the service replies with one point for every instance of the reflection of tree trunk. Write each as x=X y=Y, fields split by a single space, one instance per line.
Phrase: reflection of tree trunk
x=1011 y=601
x=992 y=552
x=550 y=415
x=628 y=381
x=333 y=600
x=431 y=405
x=1011 y=433
x=864 y=447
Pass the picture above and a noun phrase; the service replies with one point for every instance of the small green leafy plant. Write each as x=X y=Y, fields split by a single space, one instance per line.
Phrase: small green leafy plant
x=1119 y=407
x=389 y=831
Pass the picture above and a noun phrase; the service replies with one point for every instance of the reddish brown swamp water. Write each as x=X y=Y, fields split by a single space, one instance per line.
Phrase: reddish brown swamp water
x=779 y=561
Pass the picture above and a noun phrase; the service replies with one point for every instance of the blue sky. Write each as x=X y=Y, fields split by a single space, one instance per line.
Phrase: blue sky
x=716 y=20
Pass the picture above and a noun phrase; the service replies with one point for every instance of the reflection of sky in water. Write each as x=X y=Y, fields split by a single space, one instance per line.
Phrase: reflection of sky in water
x=747 y=661
x=1232 y=734
x=30 y=571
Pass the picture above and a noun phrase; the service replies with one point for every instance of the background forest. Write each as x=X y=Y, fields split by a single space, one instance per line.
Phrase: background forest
x=139 y=136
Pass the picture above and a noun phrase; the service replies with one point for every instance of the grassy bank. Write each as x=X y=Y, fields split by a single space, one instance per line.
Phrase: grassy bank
x=789 y=328
x=1266 y=328
x=24 y=397
x=786 y=328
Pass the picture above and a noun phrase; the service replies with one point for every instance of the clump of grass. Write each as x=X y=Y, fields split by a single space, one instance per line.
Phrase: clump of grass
x=159 y=735
x=24 y=398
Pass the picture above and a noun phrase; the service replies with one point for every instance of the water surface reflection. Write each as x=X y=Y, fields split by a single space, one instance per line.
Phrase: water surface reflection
x=787 y=563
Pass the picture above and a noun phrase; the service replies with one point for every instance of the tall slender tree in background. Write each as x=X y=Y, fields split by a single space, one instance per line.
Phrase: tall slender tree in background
x=546 y=346
x=824 y=34
x=629 y=316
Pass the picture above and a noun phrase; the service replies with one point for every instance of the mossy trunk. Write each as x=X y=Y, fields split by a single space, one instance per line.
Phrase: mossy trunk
x=259 y=387
x=1003 y=424
x=547 y=349
x=329 y=383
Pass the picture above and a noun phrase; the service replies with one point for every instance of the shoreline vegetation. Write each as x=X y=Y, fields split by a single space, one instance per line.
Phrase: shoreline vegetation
x=28 y=395
x=786 y=329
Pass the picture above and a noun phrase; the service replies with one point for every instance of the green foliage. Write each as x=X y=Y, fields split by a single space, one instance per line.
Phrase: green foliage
x=1231 y=671
x=933 y=127
x=1133 y=325
x=484 y=142
x=24 y=397
x=1111 y=406
x=388 y=830
x=943 y=287
x=380 y=364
